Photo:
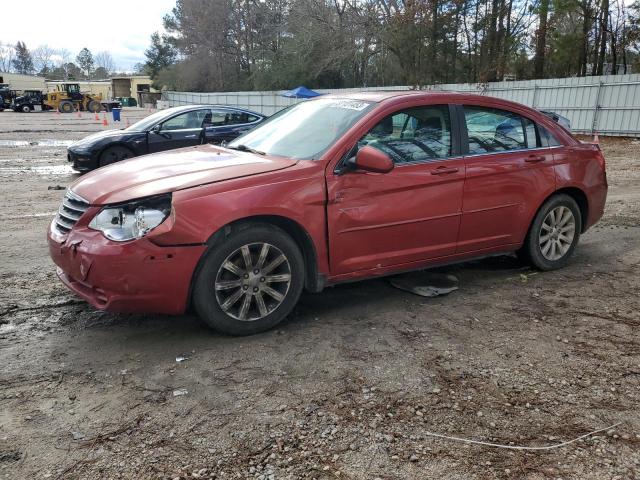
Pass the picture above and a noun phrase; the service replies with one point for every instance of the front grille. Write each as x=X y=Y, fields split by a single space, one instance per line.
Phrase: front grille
x=72 y=208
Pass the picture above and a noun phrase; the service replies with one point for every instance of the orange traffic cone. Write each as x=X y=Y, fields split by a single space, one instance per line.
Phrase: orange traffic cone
x=104 y=120
x=596 y=139
x=97 y=117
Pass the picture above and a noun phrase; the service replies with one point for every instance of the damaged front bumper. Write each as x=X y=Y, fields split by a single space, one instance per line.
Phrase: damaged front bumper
x=135 y=276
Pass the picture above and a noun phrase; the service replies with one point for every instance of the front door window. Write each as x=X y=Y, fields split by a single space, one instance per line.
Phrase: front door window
x=187 y=120
x=419 y=134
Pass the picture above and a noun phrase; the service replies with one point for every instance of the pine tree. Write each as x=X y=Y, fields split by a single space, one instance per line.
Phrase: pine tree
x=23 y=63
x=85 y=61
x=159 y=55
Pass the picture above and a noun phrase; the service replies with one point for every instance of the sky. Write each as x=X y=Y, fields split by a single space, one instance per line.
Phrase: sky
x=121 y=27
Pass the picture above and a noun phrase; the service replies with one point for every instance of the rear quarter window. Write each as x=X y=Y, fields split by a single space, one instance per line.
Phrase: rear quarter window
x=547 y=139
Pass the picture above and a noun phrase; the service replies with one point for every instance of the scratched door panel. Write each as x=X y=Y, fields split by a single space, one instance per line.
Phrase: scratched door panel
x=409 y=214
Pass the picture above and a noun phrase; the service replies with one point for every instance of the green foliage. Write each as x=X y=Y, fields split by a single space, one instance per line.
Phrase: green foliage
x=160 y=55
x=279 y=44
x=85 y=61
x=23 y=62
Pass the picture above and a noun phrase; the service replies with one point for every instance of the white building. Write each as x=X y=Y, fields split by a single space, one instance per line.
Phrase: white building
x=17 y=81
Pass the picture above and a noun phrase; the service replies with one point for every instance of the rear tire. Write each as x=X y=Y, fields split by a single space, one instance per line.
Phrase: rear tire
x=26 y=109
x=66 y=107
x=114 y=154
x=250 y=281
x=554 y=234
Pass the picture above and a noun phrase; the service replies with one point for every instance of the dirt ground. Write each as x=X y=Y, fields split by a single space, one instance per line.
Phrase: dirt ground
x=350 y=386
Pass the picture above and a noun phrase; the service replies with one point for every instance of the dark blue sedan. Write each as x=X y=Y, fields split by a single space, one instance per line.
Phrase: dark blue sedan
x=164 y=130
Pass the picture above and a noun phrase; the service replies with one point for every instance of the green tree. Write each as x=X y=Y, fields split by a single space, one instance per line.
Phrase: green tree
x=160 y=55
x=23 y=61
x=85 y=61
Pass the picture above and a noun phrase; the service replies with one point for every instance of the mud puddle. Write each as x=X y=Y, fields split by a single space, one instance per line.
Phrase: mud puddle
x=35 y=143
x=30 y=215
x=39 y=170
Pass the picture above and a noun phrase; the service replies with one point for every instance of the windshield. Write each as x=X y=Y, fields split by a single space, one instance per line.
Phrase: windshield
x=148 y=122
x=305 y=130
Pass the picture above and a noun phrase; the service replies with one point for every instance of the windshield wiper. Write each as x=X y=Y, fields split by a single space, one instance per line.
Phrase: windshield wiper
x=244 y=148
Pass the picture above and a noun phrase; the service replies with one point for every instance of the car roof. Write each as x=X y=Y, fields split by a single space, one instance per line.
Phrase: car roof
x=381 y=95
x=187 y=108
x=444 y=96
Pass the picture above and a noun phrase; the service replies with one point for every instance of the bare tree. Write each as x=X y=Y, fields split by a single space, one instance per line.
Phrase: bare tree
x=43 y=58
x=274 y=44
x=105 y=60
x=62 y=60
x=7 y=54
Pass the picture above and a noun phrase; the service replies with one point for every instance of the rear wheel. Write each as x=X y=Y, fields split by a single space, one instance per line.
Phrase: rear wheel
x=25 y=109
x=554 y=233
x=114 y=154
x=66 y=107
x=94 y=106
x=250 y=282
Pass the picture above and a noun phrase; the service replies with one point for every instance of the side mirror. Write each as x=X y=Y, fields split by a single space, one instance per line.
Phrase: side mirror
x=371 y=159
x=155 y=128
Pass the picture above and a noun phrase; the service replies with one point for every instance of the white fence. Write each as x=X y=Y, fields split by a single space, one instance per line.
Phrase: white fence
x=609 y=104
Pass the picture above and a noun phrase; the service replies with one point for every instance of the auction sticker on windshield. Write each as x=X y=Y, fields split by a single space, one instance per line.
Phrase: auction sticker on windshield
x=351 y=105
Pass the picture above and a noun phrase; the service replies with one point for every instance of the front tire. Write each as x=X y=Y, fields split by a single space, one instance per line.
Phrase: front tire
x=26 y=109
x=66 y=107
x=114 y=154
x=554 y=233
x=94 y=106
x=250 y=281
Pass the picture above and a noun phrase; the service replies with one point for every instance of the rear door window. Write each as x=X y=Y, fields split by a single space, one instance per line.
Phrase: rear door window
x=493 y=130
x=222 y=118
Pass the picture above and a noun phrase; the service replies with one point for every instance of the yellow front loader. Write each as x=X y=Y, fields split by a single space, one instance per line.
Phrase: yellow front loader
x=67 y=98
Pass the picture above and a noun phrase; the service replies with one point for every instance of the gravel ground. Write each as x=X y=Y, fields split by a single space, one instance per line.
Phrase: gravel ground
x=351 y=386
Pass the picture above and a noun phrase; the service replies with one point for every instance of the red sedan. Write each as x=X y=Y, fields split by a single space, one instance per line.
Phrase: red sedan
x=330 y=190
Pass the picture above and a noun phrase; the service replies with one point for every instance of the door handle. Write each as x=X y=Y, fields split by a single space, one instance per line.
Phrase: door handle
x=443 y=170
x=534 y=158
x=190 y=136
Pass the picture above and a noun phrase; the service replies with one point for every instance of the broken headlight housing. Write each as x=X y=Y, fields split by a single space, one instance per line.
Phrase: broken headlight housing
x=128 y=221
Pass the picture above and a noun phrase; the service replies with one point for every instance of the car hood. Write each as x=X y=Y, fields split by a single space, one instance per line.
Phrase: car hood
x=169 y=171
x=94 y=137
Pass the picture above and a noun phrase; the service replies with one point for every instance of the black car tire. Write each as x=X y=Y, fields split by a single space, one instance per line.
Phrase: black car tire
x=25 y=109
x=66 y=107
x=94 y=106
x=207 y=284
x=532 y=249
x=114 y=154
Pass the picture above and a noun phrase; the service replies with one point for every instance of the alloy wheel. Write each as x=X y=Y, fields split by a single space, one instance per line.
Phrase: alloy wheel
x=557 y=233
x=253 y=281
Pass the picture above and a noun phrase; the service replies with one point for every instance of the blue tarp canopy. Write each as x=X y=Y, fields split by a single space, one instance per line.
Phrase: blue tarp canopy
x=300 y=92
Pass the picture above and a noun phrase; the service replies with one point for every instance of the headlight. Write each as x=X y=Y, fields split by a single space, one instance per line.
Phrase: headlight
x=132 y=220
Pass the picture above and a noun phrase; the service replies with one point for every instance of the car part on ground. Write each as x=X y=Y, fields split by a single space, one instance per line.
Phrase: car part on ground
x=332 y=190
x=426 y=284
